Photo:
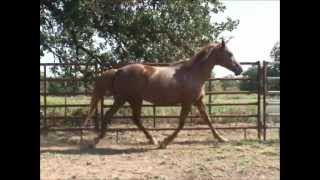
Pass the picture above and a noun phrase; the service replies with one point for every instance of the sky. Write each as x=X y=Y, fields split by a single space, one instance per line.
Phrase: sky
x=256 y=34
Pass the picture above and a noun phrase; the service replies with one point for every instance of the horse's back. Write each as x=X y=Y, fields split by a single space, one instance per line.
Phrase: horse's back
x=131 y=79
x=140 y=80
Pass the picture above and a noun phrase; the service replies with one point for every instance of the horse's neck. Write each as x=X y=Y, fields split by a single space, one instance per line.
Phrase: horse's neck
x=202 y=70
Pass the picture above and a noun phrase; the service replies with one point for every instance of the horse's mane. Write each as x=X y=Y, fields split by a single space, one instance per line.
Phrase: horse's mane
x=197 y=57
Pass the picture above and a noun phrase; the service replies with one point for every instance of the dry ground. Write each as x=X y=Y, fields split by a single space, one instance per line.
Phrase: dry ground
x=192 y=155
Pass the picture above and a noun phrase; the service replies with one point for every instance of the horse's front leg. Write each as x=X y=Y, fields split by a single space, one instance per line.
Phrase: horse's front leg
x=202 y=109
x=183 y=114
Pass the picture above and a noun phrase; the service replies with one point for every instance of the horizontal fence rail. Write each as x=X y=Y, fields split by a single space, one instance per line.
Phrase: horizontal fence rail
x=120 y=65
x=147 y=105
x=151 y=116
x=152 y=129
x=81 y=79
x=208 y=93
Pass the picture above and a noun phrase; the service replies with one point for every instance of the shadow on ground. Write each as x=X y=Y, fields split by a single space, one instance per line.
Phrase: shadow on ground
x=112 y=151
x=95 y=151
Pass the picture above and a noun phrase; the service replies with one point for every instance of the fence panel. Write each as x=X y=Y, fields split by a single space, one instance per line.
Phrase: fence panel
x=210 y=104
x=266 y=99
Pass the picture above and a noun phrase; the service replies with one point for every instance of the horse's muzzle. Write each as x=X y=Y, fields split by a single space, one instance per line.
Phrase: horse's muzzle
x=238 y=71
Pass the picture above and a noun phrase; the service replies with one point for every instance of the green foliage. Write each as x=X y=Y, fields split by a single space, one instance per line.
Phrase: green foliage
x=61 y=87
x=55 y=87
x=129 y=31
x=273 y=70
x=275 y=52
x=252 y=84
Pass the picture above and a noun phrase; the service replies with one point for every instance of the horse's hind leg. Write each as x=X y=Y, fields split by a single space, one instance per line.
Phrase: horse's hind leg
x=107 y=118
x=136 y=112
x=202 y=109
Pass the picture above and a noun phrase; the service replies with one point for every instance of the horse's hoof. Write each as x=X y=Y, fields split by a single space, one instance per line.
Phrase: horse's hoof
x=153 y=142
x=87 y=145
x=223 y=140
x=162 y=145
x=92 y=143
x=83 y=147
x=96 y=131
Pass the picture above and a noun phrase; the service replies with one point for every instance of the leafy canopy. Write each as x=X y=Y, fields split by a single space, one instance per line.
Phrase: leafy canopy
x=103 y=32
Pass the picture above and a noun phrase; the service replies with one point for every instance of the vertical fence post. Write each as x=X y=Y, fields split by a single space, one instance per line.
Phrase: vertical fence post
x=102 y=113
x=102 y=109
x=117 y=136
x=191 y=119
x=259 y=124
x=81 y=135
x=210 y=99
x=96 y=119
x=154 y=115
x=45 y=125
x=264 y=90
x=245 y=133
x=65 y=103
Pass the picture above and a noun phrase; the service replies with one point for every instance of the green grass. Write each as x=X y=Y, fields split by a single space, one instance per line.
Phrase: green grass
x=162 y=111
x=54 y=100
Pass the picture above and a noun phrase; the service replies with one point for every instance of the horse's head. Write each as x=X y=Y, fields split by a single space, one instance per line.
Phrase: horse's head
x=226 y=59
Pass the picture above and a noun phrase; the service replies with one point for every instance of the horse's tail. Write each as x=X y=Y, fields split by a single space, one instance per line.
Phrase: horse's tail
x=102 y=86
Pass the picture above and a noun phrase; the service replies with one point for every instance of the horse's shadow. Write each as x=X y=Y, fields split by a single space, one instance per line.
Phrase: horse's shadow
x=95 y=151
x=112 y=151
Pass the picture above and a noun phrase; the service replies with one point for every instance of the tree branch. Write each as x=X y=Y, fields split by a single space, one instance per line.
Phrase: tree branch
x=178 y=43
x=87 y=51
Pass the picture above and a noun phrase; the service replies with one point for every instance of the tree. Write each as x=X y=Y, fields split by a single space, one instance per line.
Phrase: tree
x=252 y=84
x=104 y=32
x=275 y=55
x=55 y=87
x=273 y=70
x=275 y=52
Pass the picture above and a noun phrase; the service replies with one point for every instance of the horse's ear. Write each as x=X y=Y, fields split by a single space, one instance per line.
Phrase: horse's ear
x=223 y=45
x=229 y=40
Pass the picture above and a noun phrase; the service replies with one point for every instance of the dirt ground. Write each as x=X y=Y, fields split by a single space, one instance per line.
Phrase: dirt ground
x=192 y=155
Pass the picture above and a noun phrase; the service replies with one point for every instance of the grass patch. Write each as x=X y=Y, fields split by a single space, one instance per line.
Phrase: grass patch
x=162 y=111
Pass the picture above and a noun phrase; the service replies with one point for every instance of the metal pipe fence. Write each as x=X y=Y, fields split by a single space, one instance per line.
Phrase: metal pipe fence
x=210 y=93
x=267 y=103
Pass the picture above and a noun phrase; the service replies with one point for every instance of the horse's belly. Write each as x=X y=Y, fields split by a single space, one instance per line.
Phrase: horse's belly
x=162 y=99
x=161 y=95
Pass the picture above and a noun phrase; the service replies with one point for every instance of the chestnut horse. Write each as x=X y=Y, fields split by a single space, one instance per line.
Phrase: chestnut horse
x=179 y=83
